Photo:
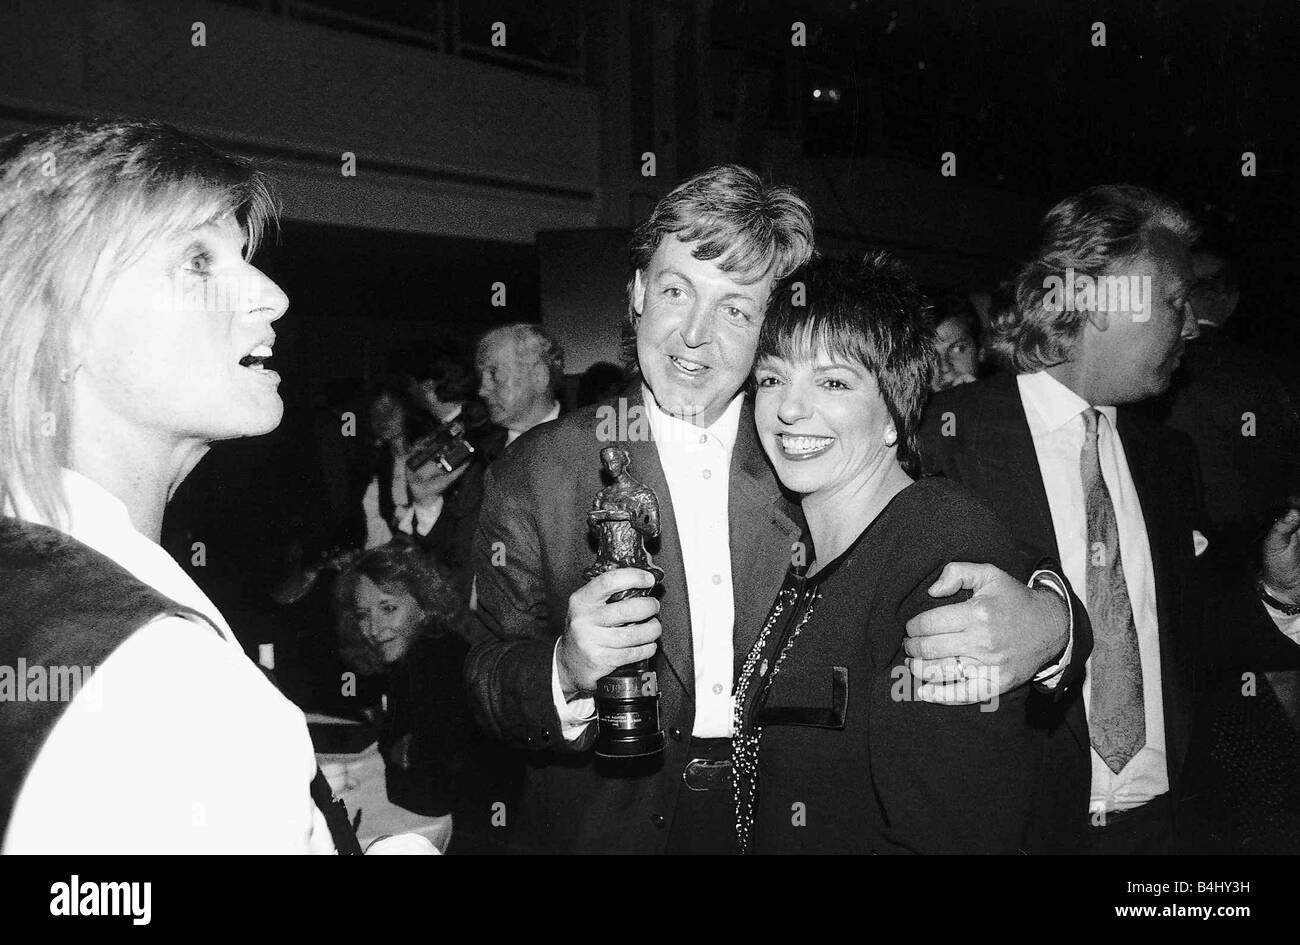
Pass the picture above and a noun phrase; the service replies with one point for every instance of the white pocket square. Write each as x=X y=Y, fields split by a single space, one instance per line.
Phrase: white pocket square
x=1199 y=542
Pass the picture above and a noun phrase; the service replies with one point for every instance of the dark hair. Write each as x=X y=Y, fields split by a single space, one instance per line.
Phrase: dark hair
x=1091 y=233
x=597 y=379
x=453 y=382
x=959 y=307
x=397 y=388
x=398 y=565
x=869 y=312
x=1225 y=278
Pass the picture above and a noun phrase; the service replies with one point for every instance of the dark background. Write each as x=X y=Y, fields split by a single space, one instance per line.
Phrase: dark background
x=1178 y=93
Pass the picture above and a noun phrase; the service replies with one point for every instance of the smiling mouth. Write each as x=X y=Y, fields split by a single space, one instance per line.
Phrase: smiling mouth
x=801 y=447
x=690 y=368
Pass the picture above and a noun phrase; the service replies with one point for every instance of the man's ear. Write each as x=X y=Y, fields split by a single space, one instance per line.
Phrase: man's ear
x=1100 y=318
x=638 y=293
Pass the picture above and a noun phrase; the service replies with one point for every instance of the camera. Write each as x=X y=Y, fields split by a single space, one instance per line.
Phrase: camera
x=445 y=446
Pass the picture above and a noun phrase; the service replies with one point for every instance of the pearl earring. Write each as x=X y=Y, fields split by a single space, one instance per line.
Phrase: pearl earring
x=891 y=436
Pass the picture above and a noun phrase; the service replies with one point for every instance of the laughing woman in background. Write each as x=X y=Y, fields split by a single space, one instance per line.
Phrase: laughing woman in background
x=133 y=333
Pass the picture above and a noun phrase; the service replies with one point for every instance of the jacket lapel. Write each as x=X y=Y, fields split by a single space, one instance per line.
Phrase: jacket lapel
x=761 y=534
x=1004 y=465
x=1012 y=480
x=1144 y=463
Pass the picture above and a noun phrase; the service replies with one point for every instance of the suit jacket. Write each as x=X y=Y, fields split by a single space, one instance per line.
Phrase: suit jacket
x=530 y=551
x=978 y=435
x=843 y=738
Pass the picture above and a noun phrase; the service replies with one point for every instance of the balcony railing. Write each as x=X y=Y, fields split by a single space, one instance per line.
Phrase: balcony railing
x=547 y=39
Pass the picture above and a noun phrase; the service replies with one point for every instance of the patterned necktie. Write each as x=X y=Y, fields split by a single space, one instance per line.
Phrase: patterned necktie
x=1117 y=721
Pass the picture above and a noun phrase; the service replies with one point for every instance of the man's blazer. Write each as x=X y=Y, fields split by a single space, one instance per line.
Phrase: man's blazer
x=530 y=550
x=977 y=434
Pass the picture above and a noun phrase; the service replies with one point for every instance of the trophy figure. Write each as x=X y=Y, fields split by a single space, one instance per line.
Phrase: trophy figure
x=624 y=514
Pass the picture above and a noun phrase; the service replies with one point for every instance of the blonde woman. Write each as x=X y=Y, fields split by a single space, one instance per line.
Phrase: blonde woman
x=134 y=332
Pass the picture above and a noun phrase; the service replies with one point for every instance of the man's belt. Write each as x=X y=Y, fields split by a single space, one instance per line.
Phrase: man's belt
x=708 y=774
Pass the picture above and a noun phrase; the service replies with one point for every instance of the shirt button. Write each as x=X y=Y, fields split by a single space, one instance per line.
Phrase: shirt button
x=675 y=734
x=657 y=819
x=717 y=579
x=704 y=438
x=708 y=474
x=546 y=734
x=717 y=688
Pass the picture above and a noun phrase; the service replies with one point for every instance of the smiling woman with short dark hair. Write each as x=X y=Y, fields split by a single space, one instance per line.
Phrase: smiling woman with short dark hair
x=833 y=752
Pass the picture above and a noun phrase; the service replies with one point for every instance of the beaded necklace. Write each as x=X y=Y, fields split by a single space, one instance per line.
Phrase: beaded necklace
x=745 y=743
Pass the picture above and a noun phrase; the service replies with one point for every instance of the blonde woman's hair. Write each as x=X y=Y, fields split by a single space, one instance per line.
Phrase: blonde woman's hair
x=79 y=204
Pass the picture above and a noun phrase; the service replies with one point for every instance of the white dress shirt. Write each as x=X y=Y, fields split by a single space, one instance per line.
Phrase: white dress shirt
x=697 y=466
x=1055 y=416
x=413 y=518
x=180 y=744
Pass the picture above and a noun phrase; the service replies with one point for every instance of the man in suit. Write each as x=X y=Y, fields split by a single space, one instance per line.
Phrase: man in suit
x=704 y=264
x=520 y=368
x=1100 y=319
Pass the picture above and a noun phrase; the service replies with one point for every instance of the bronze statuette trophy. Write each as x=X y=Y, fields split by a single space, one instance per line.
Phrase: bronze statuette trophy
x=623 y=516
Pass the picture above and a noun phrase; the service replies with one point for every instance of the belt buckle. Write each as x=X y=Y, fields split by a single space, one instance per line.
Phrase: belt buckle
x=707 y=774
x=1109 y=818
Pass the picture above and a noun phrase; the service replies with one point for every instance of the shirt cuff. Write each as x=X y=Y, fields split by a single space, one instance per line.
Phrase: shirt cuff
x=1289 y=625
x=575 y=716
x=1050 y=677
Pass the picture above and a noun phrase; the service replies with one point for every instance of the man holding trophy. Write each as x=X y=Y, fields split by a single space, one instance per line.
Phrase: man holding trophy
x=555 y=633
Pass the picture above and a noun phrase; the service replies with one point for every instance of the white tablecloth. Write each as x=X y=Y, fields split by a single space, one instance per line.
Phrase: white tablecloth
x=358 y=780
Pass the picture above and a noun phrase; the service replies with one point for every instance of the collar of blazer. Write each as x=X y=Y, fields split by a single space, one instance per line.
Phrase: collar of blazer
x=764 y=528
x=1005 y=465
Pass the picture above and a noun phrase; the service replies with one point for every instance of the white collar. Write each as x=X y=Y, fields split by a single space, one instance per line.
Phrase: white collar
x=93 y=514
x=1052 y=403
x=669 y=429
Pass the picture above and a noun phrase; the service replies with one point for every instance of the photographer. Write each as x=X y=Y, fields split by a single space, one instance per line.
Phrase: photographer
x=418 y=418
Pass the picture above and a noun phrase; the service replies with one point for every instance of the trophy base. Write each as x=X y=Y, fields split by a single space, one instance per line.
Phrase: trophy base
x=635 y=746
x=627 y=712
